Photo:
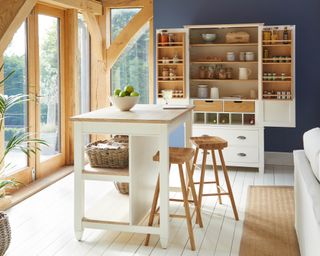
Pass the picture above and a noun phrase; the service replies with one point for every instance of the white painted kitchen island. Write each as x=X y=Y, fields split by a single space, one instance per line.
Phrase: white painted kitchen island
x=148 y=128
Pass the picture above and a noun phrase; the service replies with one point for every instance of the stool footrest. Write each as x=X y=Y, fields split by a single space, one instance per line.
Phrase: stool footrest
x=205 y=182
x=215 y=194
x=180 y=200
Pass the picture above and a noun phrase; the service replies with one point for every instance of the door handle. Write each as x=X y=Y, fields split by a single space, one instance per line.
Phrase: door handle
x=38 y=98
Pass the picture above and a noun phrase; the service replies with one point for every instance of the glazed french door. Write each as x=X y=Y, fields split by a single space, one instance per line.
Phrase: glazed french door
x=48 y=106
x=36 y=53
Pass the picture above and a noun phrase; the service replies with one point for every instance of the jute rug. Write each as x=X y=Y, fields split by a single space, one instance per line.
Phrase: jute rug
x=269 y=223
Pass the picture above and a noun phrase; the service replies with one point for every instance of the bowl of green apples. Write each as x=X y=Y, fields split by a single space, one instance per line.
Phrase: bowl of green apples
x=125 y=99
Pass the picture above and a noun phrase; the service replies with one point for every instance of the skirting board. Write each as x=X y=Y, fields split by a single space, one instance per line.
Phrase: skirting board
x=278 y=158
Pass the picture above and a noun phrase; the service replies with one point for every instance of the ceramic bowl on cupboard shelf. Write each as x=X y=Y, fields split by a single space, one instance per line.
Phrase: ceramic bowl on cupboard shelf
x=209 y=38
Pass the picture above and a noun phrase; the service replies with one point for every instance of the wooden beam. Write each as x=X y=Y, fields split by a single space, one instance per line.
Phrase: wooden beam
x=92 y=6
x=99 y=90
x=127 y=34
x=125 y=3
x=12 y=15
x=71 y=76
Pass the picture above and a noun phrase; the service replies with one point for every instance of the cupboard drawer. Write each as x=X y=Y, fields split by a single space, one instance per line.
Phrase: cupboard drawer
x=248 y=138
x=233 y=155
x=241 y=154
x=239 y=106
x=208 y=105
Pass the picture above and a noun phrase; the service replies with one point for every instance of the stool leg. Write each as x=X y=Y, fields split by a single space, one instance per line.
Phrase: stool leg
x=203 y=170
x=195 y=158
x=153 y=209
x=226 y=176
x=186 y=207
x=216 y=174
x=194 y=195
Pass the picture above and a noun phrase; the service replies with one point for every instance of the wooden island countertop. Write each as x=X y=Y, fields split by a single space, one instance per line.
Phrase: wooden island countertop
x=141 y=113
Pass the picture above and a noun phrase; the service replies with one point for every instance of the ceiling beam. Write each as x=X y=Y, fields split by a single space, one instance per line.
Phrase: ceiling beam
x=125 y=3
x=12 y=15
x=92 y=6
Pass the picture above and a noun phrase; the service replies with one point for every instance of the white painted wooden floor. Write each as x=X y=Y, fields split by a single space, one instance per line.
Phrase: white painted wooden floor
x=43 y=224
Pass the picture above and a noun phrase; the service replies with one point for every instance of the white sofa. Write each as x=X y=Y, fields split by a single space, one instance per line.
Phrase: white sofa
x=307 y=193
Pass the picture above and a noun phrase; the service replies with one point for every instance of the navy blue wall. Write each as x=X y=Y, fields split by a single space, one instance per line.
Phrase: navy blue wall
x=304 y=14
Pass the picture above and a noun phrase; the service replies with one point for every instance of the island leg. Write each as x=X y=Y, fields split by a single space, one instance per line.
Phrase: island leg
x=78 y=181
x=164 y=187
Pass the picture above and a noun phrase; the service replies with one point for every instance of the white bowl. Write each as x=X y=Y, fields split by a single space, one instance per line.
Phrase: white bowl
x=124 y=103
x=209 y=37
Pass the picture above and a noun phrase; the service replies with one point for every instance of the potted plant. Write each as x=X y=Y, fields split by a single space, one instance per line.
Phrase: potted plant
x=23 y=141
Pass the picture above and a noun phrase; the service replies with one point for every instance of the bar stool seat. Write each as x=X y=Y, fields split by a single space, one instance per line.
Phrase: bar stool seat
x=210 y=144
x=179 y=156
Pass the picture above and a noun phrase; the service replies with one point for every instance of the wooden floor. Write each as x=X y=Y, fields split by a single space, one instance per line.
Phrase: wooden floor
x=43 y=224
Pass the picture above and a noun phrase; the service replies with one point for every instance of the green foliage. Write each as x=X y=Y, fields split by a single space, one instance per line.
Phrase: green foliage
x=23 y=141
x=132 y=66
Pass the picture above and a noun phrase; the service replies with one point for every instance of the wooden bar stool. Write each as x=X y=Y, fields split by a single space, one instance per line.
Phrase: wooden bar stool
x=179 y=156
x=210 y=144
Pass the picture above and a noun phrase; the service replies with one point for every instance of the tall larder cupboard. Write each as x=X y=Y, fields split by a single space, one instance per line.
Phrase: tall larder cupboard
x=240 y=77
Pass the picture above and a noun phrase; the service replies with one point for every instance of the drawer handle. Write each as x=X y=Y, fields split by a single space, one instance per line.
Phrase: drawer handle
x=242 y=154
x=209 y=101
x=237 y=101
x=241 y=137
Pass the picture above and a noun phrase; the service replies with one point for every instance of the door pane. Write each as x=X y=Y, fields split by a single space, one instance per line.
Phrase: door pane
x=120 y=18
x=16 y=118
x=132 y=66
x=49 y=85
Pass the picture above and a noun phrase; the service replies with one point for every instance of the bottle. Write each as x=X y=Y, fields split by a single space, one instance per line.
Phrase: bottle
x=285 y=36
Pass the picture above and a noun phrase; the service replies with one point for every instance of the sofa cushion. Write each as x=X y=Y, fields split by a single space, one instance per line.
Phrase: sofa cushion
x=311 y=144
x=302 y=171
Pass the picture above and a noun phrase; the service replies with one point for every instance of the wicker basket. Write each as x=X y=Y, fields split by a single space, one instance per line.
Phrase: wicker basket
x=108 y=158
x=122 y=187
x=5 y=233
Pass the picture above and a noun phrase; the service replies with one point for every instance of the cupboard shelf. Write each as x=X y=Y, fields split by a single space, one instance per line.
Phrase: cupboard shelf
x=276 y=41
x=171 y=47
x=223 y=44
x=277 y=81
x=276 y=63
x=276 y=45
x=224 y=80
x=170 y=64
x=224 y=62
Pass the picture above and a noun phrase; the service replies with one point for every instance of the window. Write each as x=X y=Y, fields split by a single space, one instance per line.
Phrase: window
x=84 y=64
x=132 y=66
x=16 y=119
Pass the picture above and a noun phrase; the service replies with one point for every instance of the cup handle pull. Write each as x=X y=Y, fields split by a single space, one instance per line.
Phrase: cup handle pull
x=241 y=137
x=242 y=154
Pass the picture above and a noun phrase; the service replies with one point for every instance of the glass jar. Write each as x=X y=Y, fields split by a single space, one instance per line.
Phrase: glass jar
x=164 y=37
x=210 y=73
x=222 y=73
x=171 y=39
x=172 y=73
x=202 y=72
x=165 y=73
x=267 y=36
x=175 y=58
x=229 y=73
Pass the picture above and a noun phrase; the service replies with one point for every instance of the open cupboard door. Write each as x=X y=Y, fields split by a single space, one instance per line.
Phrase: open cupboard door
x=278 y=67
x=171 y=61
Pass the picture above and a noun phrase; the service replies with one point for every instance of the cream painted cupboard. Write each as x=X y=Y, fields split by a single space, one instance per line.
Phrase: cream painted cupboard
x=241 y=82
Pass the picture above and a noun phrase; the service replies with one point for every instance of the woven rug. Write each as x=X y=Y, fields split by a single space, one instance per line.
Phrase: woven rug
x=269 y=222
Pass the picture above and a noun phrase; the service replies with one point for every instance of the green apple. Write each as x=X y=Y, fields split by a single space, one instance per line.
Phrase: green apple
x=134 y=94
x=129 y=89
x=122 y=94
x=116 y=92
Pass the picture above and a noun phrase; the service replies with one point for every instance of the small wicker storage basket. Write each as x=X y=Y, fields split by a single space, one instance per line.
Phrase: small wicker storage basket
x=237 y=37
x=106 y=157
x=122 y=187
x=5 y=233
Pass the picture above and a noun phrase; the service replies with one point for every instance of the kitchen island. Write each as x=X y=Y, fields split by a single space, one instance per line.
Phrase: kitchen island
x=148 y=128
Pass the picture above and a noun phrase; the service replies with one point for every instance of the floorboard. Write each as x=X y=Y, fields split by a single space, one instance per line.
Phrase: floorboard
x=43 y=224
